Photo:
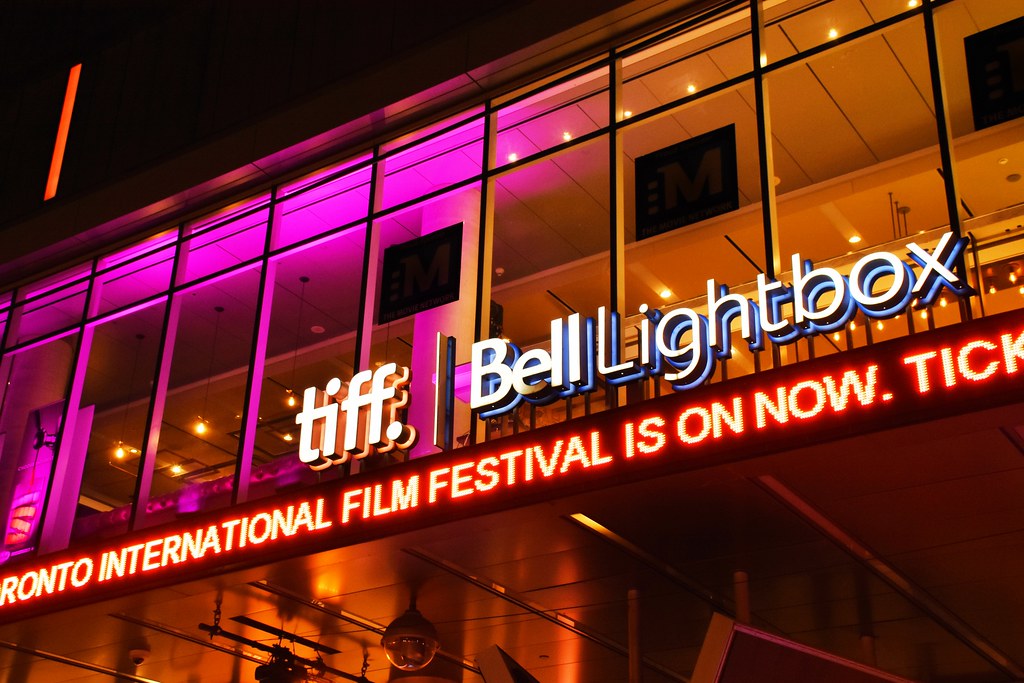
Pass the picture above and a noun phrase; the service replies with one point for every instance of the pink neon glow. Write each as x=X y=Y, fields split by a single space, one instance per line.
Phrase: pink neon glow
x=62 y=132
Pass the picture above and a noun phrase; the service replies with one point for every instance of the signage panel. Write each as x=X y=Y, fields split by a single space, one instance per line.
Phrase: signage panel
x=421 y=274
x=688 y=182
x=953 y=370
x=995 y=73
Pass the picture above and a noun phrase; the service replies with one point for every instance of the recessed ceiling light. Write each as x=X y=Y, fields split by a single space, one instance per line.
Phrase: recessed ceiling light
x=855 y=239
x=913 y=3
x=287 y=437
x=626 y=114
x=566 y=135
x=513 y=157
x=665 y=293
x=1003 y=161
x=1013 y=177
x=833 y=34
x=176 y=469
x=691 y=88
x=317 y=329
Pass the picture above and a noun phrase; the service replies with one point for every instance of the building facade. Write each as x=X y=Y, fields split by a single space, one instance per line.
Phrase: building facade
x=656 y=311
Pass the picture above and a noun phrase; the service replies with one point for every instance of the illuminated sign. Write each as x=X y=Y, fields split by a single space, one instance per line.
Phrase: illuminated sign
x=964 y=368
x=359 y=411
x=421 y=274
x=683 y=345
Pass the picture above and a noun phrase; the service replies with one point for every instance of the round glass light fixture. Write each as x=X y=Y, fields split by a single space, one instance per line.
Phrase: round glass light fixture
x=410 y=642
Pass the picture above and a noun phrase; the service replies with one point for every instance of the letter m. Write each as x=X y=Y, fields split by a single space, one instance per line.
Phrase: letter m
x=418 y=278
x=677 y=181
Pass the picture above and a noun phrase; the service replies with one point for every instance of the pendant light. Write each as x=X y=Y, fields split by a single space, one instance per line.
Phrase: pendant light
x=202 y=424
x=290 y=390
x=121 y=451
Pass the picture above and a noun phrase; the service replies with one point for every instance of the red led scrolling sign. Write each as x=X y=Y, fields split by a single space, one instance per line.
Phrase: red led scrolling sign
x=958 y=369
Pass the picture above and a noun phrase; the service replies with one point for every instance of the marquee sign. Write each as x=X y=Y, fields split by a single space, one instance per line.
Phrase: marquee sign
x=959 y=369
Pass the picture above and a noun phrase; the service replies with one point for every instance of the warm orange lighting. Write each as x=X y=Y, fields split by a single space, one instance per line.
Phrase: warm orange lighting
x=835 y=336
x=991 y=289
x=913 y=3
x=200 y=426
x=626 y=114
x=833 y=34
x=691 y=88
x=665 y=293
x=119 y=453
x=62 y=132
x=855 y=239
x=853 y=325
x=176 y=469
x=879 y=325
x=291 y=399
x=287 y=437
x=567 y=136
x=943 y=302
x=924 y=315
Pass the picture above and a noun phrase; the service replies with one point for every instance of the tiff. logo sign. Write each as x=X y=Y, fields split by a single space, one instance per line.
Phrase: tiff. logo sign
x=687 y=182
x=358 y=412
x=421 y=274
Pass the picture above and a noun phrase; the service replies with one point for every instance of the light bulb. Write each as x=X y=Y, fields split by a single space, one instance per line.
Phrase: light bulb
x=626 y=114
x=119 y=453
x=567 y=136
x=291 y=399
x=287 y=437
x=200 y=426
x=513 y=157
x=691 y=88
x=942 y=302
x=855 y=239
x=879 y=325
x=665 y=293
x=833 y=34
x=176 y=469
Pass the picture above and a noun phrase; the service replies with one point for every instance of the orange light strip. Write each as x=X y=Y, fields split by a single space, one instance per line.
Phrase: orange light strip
x=62 y=133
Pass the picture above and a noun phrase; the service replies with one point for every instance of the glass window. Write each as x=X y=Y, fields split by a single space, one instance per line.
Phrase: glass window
x=556 y=115
x=115 y=401
x=226 y=239
x=410 y=339
x=51 y=305
x=199 y=428
x=136 y=273
x=687 y=64
x=312 y=339
x=669 y=266
x=551 y=254
x=453 y=153
x=323 y=201
x=977 y=44
x=799 y=25
x=33 y=383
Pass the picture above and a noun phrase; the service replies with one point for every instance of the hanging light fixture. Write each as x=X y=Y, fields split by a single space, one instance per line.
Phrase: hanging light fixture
x=202 y=423
x=291 y=401
x=121 y=451
x=410 y=641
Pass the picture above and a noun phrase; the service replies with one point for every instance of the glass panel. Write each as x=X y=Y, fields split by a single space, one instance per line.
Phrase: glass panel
x=227 y=239
x=116 y=394
x=671 y=269
x=32 y=391
x=312 y=339
x=313 y=205
x=136 y=273
x=551 y=256
x=198 y=442
x=433 y=164
x=411 y=340
x=51 y=305
x=798 y=25
x=552 y=117
x=988 y=145
x=687 y=64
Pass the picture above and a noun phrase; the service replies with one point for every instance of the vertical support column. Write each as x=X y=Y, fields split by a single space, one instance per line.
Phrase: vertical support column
x=485 y=251
x=371 y=268
x=617 y=224
x=257 y=363
x=764 y=143
x=158 y=398
x=741 y=593
x=635 y=653
x=945 y=137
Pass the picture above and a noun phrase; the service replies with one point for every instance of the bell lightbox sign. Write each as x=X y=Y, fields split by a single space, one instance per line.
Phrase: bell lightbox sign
x=961 y=369
x=683 y=345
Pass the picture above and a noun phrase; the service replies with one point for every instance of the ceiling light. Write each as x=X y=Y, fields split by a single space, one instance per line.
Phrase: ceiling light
x=626 y=114
x=317 y=329
x=764 y=59
x=513 y=157
x=1003 y=161
x=410 y=641
x=119 y=453
x=567 y=136
x=913 y=3
x=833 y=34
x=943 y=302
x=691 y=88
x=836 y=336
x=176 y=469
x=665 y=293
x=879 y=325
x=287 y=437
x=291 y=399
x=991 y=289
x=853 y=325
x=200 y=426
x=924 y=315
x=855 y=239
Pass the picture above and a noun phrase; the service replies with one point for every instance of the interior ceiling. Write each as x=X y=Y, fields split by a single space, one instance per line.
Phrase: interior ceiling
x=938 y=505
